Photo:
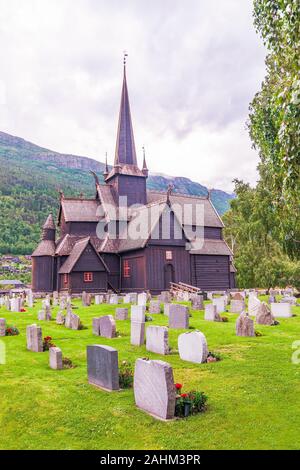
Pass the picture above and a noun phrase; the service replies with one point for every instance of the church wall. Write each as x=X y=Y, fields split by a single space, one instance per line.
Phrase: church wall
x=210 y=272
x=134 y=187
x=42 y=274
x=113 y=263
x=137 y=279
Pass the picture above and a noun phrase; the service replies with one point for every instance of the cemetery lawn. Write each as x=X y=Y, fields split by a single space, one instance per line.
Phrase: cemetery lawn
x=253 y=393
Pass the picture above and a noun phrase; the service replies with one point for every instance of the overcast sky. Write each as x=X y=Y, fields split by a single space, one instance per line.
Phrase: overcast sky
x=193 y=68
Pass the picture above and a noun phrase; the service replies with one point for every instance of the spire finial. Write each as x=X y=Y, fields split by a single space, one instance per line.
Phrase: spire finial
x=105 y=173
x=145 y=168
x=125 y=55
x=171 y=188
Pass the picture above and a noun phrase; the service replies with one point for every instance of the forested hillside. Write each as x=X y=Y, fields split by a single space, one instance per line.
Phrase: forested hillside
x=30 y=178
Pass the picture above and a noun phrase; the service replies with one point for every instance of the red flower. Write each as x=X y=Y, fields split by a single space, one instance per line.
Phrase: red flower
x=184 y=395
x=47 y=338
x=178 y=386
x=23 y=310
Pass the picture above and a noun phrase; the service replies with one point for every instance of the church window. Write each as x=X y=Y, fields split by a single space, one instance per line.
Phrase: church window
x=66 y=279
x=169 y=255
x=126 y=268
x=88 y=277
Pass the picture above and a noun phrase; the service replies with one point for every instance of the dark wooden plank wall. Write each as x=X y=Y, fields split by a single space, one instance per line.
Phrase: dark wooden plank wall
x=77 y=284
x=113 y=263
x=89 y=261
x=156 y=263
x=210 y=272
x=42 y=274
x=138 y=275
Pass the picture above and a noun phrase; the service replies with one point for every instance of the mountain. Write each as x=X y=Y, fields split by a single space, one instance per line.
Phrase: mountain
x=30 y=177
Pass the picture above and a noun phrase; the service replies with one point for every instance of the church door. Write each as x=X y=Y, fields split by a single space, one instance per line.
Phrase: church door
x=169 y=275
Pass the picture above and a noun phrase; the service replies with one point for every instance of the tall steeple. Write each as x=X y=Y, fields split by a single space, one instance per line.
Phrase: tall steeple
x=125 y=148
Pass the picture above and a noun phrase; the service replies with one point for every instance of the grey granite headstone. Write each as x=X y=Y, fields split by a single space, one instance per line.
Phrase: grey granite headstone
x=197 y=302
x=34 y=338
x=281 y=310
x=55 y=358
x=96 y=326
x=164 y=297
x=103 y=368
x=244 y=325
x=107 y=327
x=122 y=314
x=210 y=313
x=154 y=388
x=167 y=309
x=72 y=321
x=237 y=306
x=137 y=333
x=157 y=339
x=138 y=313
x=178 y=317
x=154 y=307
x=264 y=315
x=60 y=318
x=2 y=326
x=220 y=303
x=192 y=347
x=142 y=299
x=114 y=299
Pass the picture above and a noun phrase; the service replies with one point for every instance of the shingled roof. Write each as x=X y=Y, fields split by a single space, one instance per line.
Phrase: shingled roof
x=75 y=254
x=80 y=210
x=211 y=216
x=211 y=247
x=45 y=248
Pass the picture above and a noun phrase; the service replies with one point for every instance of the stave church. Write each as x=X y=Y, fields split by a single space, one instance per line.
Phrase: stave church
x=127 y=238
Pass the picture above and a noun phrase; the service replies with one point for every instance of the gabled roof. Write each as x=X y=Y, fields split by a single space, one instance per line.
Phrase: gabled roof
x=79 y=210
x=75 y=254
x=44 y=248
x=211 y=217
x=210 y=247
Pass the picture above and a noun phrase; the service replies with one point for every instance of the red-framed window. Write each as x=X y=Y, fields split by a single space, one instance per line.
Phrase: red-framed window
x=66 y=279
x=169 y=255
x=88 y=277
x=126 y=268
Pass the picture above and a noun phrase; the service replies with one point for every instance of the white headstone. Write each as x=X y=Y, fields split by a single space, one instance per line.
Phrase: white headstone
x=192 y=347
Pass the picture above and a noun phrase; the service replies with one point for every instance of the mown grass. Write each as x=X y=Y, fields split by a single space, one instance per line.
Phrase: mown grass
x=254 y=392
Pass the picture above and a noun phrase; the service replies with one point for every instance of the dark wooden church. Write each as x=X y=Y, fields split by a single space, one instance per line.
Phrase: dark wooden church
x=95 y=248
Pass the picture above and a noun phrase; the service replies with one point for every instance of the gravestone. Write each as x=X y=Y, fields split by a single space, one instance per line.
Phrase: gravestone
x=86 y=299
x=30 y=298
x=103 y=368
x=99 y=299
x=60 y=318
x=281 y=310
x=114 y=299
x=62 y=303
x=220 y=303
x=272 y=299
x=138 y=313
x=72 y=321
x=178 y=317
x=290 y=299
x=154 y=388
x=2 y=327
x=55 y=358
x=34 y=338
x=96 y=326
x=192 y=347
x=130 y=298
x=45 y=313
x=245 y=325
x=210 y=313
x=55 y=299
x=15 y=304
x=197 y=302
x=237 y=306
x=253 y=305
x=164 y=297
x=167 y=309
x=107 y=327
x=264 y=315
x=238 y=296
x=157 y=339
x=154 y=307
x=122 y=314
x=137 y=333
x=142 y=299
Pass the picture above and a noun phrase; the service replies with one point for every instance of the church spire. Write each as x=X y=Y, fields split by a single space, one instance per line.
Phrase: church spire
x=125 y=148
x=145 y=168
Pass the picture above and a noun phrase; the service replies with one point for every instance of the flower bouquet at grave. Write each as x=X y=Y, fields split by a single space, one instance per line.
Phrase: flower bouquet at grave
x=213 y=357
x=189 y=403
x=12 y=331
x=47 y=343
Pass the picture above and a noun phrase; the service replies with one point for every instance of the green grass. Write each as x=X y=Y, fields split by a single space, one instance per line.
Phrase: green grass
x=254 y=392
